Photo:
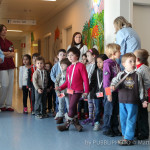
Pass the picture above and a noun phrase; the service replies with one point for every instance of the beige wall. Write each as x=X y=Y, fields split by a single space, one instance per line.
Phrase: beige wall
x=74 y=15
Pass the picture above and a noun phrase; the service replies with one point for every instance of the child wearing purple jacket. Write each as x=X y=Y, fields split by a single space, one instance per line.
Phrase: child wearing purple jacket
x=111 y=106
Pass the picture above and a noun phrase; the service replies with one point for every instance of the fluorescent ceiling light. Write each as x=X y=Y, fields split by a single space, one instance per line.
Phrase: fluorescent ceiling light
x=49 y=0
x=14 y=30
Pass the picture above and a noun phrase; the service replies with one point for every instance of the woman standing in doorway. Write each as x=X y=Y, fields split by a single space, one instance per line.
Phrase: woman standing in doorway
x=126 y=37
x=6 y=71
x=77 y=42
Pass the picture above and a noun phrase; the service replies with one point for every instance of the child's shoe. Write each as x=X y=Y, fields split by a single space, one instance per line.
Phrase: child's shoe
x=33 y=113
x=39 y=116
x=87 y=121
x=25 y=110
x=77 y=124
x=45 y=116
x=96 y=126
x=126 y=142
x=60 y=120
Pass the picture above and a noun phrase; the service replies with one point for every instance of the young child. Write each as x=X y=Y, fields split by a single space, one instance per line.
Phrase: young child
x=56 y=69
x=23 y=80
x=111 y=106
x=96 y=88
x=63 y=100
x=83 y=104
x=75 y=77
x=84 y=59
x=50 y=87
x=31 y=70
x=142 y=119
x=131 y=91
x=91 y=55
x=40 y=85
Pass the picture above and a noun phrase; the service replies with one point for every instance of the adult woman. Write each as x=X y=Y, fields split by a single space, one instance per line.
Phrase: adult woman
x=126 y=37
x=6 y=71
x=77 y=42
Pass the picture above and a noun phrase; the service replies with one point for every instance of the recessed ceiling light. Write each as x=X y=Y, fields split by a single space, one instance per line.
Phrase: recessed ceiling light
x=14 y=30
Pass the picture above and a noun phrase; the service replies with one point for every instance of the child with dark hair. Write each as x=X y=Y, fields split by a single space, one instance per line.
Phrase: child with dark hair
x=75 y=77
x=143 y=68
x=56 y=69
x=40 y=85
x=97 y=90
x=50 y=88
x=31 y=70
x=91 y=57
x=63 y=97
x=23 y=76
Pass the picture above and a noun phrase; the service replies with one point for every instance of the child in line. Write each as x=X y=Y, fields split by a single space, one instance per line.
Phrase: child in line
x=56 y=69
x=40 y=85
x=91 y=56
x=96 y=88
x=83 y=104
x=60 y=80
x=31 y=70
x=23 y=80
x=131 y=92
x=142 y=67
x=75 y=77
x=111 y=106
x=84 y=59
x=50 y=87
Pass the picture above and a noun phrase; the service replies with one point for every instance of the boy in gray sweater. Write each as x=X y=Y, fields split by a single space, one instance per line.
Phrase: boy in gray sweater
x=40 y=85
x=62 y=96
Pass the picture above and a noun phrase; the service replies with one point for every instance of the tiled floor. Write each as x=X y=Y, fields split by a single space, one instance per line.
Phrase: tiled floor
x=23 y=132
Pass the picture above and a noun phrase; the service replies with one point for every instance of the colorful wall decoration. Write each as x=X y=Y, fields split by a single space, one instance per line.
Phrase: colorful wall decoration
x=93 y=30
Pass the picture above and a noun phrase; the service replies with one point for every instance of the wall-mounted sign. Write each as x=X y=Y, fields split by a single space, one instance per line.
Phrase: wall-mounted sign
x=23 y=22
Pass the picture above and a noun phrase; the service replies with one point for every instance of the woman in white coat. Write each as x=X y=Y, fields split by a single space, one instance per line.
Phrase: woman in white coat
x=77 y=42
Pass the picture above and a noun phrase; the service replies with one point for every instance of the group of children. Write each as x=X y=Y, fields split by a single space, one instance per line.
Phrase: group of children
x=96 y=84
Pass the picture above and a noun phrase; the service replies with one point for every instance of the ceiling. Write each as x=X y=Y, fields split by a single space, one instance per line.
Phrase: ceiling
x=38 y=10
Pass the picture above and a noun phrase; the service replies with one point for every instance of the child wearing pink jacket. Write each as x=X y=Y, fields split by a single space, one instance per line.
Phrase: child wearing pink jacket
x=75 y=77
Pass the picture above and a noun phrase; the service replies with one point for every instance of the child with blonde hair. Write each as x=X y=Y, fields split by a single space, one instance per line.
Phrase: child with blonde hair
x=142 y=119
x=111 y=106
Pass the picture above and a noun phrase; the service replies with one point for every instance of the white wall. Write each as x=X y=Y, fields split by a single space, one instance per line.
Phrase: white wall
x=113 y=9
x=74 y=15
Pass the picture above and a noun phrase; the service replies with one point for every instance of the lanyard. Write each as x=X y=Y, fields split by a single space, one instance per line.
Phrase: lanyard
x=71 y=75
x=99 y=84
x=90 y=71
x=42 y=77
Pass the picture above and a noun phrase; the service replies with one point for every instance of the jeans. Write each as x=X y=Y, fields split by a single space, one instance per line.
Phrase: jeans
x=111 y=111
x=128 y=117
x=61 y=107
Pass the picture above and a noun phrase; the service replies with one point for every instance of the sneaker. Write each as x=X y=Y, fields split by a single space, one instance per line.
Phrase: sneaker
x=25 y=110
x=117 y=133
x=142 y=137
x=39 y=116
x=125 y=142
x=33 y=113
x=96 y=126
x=9 y=109
x=109 y=133
x=3 y=109
x=87 y=121
x=45 y=116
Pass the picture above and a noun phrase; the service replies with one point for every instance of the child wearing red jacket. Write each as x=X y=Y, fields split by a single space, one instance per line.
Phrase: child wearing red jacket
x=75 y=77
